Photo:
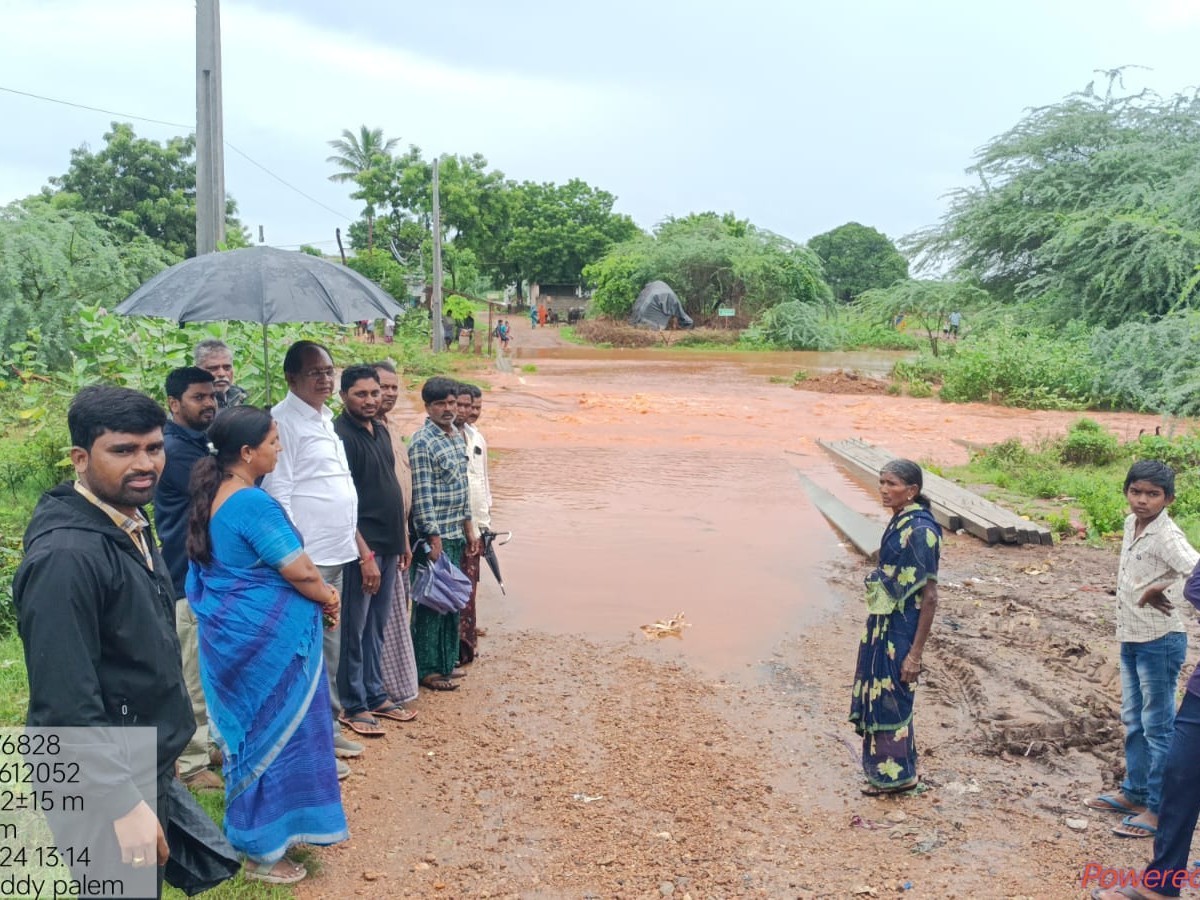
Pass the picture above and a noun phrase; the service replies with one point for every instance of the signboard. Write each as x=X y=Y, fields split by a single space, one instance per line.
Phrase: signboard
x=726 y=313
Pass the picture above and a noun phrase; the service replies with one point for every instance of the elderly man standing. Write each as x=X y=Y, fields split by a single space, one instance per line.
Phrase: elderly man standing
x=396 y=658
x=193 y=405
x=313 y=484
x=215 y=357
x=442 y=523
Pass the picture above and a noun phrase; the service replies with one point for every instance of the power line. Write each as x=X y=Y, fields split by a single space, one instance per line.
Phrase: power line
x=243 y=154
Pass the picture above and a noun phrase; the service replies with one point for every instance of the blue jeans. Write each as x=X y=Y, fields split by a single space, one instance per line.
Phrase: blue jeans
x=1149 y=675
x=1177 y=820
x=364 y=616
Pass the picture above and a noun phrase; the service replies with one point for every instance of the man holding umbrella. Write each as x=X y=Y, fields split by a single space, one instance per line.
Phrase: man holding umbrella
x=470 y=406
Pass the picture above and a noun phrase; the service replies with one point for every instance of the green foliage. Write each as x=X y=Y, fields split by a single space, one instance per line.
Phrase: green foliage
x=857 y=258
x=380 y=267
x=795 y=326
x=920 y=389
x=710 y=261
x=311 y=250
x=925 y=304
x=55 y=262
x=1021 y=367
x=149 y=186
x=1152 y=366
x=457 y=308
x=1088 y=206
x=1088 y=444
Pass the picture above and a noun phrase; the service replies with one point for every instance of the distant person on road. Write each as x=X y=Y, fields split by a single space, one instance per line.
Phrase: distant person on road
x=480 y=490
x=901 y=601
x=389 y=330
x=215 y=357
x=953 y=323
x=533 y=316
x=1155 y=559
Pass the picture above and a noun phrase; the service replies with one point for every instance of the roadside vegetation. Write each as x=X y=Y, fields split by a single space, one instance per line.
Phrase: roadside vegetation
x=1075 y=483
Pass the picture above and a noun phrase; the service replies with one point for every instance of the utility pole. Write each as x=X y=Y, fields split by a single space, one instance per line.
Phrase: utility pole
x=435 y=299
x=210 y=132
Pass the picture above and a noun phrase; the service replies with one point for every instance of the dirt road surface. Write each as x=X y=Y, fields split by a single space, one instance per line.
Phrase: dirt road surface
x=582 y=759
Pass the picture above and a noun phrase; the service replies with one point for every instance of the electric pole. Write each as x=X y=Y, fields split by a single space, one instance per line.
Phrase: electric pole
x=210 y=133
x=435 y=298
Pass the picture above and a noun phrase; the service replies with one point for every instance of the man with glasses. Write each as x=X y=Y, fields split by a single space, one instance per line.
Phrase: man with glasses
x=215 y=357
x=312 y=482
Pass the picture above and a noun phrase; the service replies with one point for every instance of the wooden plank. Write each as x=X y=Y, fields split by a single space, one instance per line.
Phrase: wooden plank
x=865 y=534
x=977 y=515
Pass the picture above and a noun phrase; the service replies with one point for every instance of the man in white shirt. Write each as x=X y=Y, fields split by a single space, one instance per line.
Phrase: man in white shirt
x=312 y=482
x=479 y=488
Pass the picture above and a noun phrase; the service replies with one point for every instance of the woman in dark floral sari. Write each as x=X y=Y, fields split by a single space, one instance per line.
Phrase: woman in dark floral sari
x=901 y=599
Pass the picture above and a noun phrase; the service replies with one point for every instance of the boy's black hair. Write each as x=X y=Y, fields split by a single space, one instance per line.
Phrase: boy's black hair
x=438 y=388
x=1155 y=472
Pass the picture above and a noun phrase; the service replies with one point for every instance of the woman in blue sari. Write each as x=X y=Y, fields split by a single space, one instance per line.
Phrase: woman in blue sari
x=259 y=602
x=901 y=599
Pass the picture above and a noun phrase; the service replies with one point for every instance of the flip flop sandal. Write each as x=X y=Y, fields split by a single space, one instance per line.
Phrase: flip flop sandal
x=1128 y=892
x=438 y=683
x=1138 y=829
x=292 y=872
x=459 y=673
x=395 y=712
x=1109 y=803
x=364 y=724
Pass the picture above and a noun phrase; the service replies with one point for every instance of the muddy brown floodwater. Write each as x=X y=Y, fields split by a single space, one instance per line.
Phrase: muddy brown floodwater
x=582 y=759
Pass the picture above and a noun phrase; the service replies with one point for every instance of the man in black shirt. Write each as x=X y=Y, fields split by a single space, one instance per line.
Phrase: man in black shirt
x=381 y=518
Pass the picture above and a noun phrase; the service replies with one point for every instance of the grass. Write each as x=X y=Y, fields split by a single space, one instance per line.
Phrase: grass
x=1067 y=485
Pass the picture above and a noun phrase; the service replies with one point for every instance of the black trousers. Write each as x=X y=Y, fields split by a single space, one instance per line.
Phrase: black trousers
x=1168 y=873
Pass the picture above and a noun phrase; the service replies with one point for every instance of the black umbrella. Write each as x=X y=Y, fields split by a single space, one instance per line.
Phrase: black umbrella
x=260 y=284
x=488 y=538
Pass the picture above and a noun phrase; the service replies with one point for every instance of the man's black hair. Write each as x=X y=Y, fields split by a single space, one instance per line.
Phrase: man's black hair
x=438 y=388
x=1155 y=472
x=475 y=391
x=179 y=380
x=104 y=407
x=352 y=374
x=293 y=360
x=385 y=364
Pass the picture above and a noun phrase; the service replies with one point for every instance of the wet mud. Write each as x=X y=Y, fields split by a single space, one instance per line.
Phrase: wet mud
x=581 y=758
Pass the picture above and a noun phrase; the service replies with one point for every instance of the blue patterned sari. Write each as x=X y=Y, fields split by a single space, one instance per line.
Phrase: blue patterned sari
x=264 y=683
x=881 y=707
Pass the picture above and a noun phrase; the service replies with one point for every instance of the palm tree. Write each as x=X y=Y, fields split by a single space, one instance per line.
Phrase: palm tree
x=357 y=152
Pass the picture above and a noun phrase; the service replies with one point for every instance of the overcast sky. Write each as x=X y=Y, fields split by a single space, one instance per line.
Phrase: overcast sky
x=795 y=114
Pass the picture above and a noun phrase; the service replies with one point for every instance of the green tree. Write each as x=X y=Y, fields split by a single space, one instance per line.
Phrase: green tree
x=55 y=262
x=143 y=183
x=924 y=303
x=710 y=261
x=857 y=258
x=359 y=157
x=1088 y=208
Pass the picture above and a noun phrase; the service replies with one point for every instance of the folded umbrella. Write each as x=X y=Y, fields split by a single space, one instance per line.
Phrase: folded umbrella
x=488 y=539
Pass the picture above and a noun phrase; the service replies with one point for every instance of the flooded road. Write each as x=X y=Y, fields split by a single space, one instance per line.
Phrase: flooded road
x=641 y=484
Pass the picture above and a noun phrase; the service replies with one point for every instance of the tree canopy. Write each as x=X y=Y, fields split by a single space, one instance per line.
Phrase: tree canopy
x=493 y=228
x=857 y=258
x=927 y=304
x=710 y=261
x=54 y=262
x=143 y=183
x=1090 y=208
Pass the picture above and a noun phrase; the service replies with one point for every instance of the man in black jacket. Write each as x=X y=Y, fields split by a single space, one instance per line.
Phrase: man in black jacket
x=193 y=404
x=96 y=613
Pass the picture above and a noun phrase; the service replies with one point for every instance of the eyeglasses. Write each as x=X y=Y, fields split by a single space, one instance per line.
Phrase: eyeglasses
x=318 y=373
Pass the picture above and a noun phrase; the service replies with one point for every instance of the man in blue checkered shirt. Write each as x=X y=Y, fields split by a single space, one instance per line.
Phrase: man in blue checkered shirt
x=441 y=514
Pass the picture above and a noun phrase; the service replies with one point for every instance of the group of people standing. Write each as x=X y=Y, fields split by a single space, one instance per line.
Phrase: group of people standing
x=277 y=611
